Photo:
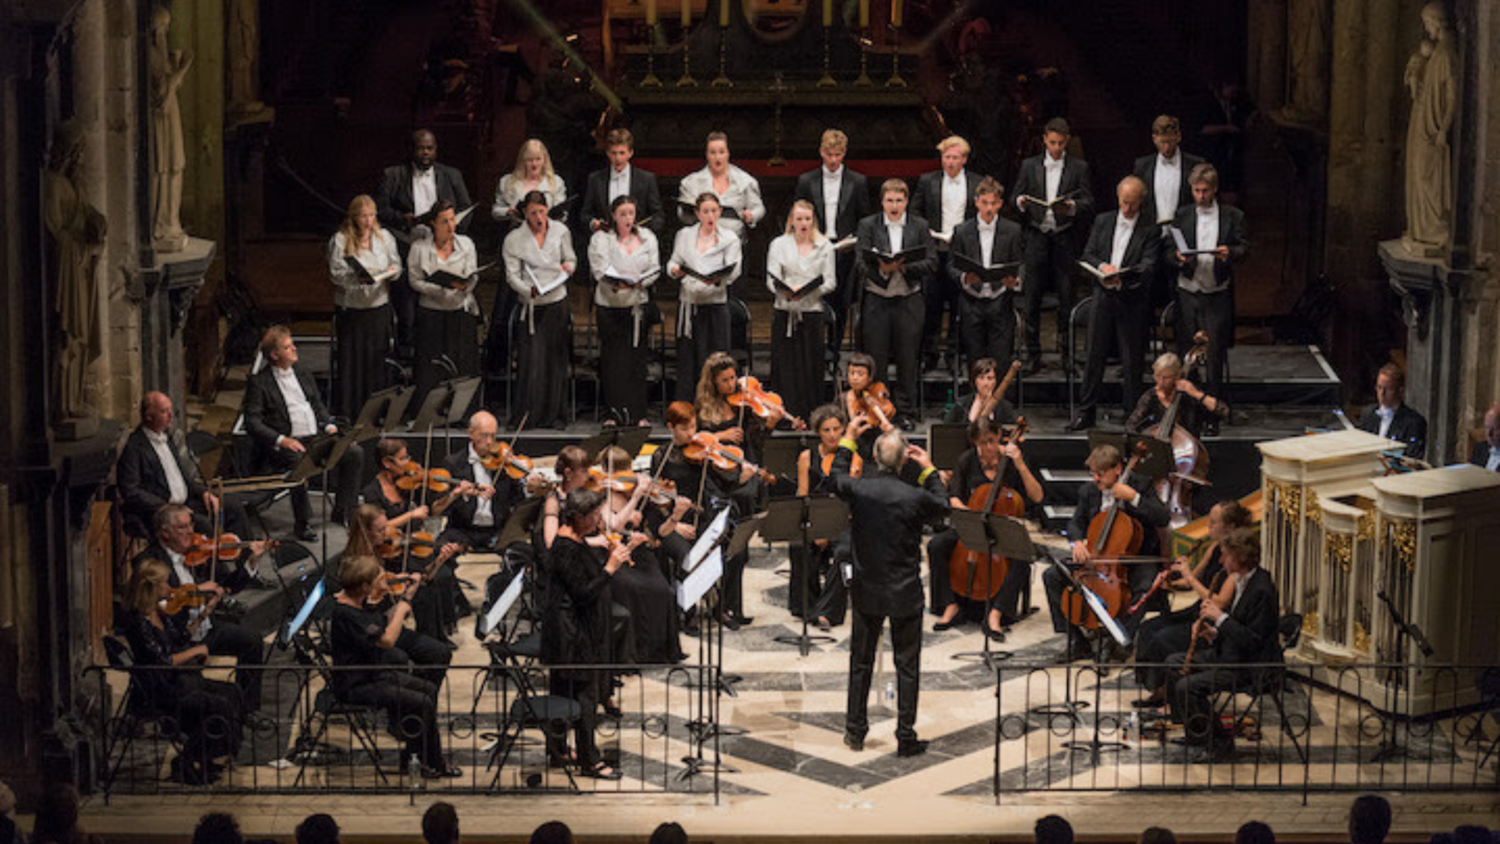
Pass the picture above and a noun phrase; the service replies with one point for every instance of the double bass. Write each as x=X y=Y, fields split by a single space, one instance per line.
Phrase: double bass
x=1113 y=534
x=974 y=574
x=1189 y=457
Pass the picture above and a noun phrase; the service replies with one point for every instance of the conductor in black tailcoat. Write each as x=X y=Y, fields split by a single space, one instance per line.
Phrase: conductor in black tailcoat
x=887 y=515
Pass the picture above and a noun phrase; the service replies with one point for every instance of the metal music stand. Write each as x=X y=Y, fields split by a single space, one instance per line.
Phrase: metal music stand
x=946 y=442
x=805 y=520
x=383 y=410
x=1004 y=537
x=1094 y=745
x=316 y=460
x=630 y=438
x=434 y=407
x=779 y=454
x=518 y=525
x=1157 y=462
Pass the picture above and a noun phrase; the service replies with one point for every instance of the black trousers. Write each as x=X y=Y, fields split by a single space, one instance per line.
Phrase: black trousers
x=439 y=337
x=425 y=657
x=582 y=685
x=1047 y=265
x=622 y=363
x=542 y=350
x=1212 y=313
x=797 y=360
x=837 y=302
x=227 y=639
x=210 y=714
x=1191 y=698
x=364 y=337
x=1008 y=595
x=819 y=576
x=906 y=643
x=891 y=329
x=1157 y=640
x=411 y=712
x=345 y=476
x=1140 y=578
x=710 y=334
x=940 y=295
x=988 y=329
x=1119 y=323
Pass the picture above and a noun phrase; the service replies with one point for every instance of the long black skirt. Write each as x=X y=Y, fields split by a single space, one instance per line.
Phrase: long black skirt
x=364 y=337
x=797 y=361
x=444 y=335
x=622 y=363
x=542 y=364
x=643 y=589
x=710 y=326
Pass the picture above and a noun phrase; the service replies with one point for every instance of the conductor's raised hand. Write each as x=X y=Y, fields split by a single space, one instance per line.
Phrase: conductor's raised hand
x=918 y=455
x=859 y=425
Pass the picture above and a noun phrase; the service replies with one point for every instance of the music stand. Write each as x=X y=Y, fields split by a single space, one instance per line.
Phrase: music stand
x=805 y=520
x=1002 y=536
x=630 y=438
x=1157 y=462
x=946 y=442
x=519 y=523
x=692 y=591
x=320 y=456
x=1094 y=745
x=780 y=453
x=434 y=406
x=383 y=410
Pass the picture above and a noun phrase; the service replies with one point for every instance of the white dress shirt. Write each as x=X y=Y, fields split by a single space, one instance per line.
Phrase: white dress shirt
x=348 y=289
x=1052 y=170
x=986 y=239
x=161 y=444
x=298 y=408
x=1386 y=414
x=186 y=578
x=833 y=185
x=1493 y=464
x=484 y=511
x=785 y=261
x=619 y=183
x=423 y=190
x=986 y=234
x=955 y=196
x=1166 y=185
x=1239 y=592
x=1203 y=280
x=1124 y=228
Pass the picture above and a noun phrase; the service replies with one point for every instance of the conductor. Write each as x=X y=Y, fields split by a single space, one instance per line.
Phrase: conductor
x=887 y=515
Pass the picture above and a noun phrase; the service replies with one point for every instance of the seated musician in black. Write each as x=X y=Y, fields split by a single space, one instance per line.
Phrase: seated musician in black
x=155 y=468
x=644 y=587
x=1169 y=633
x=370 y=638
x=859 y=375
x=407 y=502
x=1195 y=409
x=1244 y=634
x=1136 y=500
x=828 y=603
x=208 y=712
x=371 y=534
x=576 y=619
x=475 y=521
x=173 y=548
x=976 y=468
x=980 y=398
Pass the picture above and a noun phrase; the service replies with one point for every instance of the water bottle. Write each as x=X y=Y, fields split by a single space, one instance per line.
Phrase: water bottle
x=1133 y=726
x=413 y=773
x=890 y=692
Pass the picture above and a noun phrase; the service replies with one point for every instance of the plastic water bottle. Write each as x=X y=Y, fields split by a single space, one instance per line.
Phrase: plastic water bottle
x=890 y=692
x=413 y=773
x=1133 y=726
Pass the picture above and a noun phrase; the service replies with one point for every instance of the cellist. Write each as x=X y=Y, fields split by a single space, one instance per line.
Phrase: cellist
x=1135 y=500
x=978 y=467
x=1197 y=407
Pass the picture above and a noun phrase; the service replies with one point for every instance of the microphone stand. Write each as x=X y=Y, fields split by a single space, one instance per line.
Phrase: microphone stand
x=1392 y=748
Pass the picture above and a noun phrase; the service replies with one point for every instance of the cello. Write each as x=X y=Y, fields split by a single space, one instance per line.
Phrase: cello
x=973 y=574
x=1189 y=457
x=1113 y=534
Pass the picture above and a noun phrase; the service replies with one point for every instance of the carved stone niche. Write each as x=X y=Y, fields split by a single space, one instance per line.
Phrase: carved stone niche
x=168 y=290
x=1431 y=307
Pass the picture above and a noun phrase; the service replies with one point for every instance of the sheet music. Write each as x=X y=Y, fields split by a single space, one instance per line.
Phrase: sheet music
x=1182 y=246
x=696 y=585
x=502 y=604
x=707 y=540
x=551 y=283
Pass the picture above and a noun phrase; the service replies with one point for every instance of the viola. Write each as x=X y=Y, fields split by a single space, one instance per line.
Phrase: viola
x=724 y=457
x=750 y=395
x=973 y=574
x=187 y=596
x=1112 y=534
x=419 y=543
x=410 y=476
x=227 y=547
x=505 y=459
x=875 y=402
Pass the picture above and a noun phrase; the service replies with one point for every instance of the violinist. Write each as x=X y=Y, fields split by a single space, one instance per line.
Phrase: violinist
x=644 y=587
x=208 y=712
x=539 y=258
x=398 y=486
x=799 y=273
x=869 y=398
x=624 y=252
x=978 y=467
x=1170 y=633
x=372 y=639
x=814 y=466
x=1195 y=411
x=435 y=607
x=1136 y=500
x=572 y=466
x=475 y=521
x=173 y=548
x=703 y=312
x=984 y=378
x=736 y=426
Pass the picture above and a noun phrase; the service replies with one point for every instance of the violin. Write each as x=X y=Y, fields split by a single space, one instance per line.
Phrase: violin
x=750 y=395
x=875 y=402
x=411 y=476
x=973 y=574
x=227 y=547
x=621 y=482
x=1112 y=534
x=727 y=458
x=617 y=540
x=393 y=584
x=505 y=459
x=420 y=543
x=185 y=597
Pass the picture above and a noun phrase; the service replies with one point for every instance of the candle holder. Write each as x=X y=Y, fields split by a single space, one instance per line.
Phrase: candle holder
x=827 y=81
x=722 y=80
x=864 y=80
x=895 y=81
x=650 y=80
x=686 y=80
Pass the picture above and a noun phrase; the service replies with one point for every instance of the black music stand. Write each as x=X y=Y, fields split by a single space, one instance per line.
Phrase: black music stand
x=1004 y=537
x=1392 y=748
x=779 y=455
x=518 y=524
x=1094 y=745
x=692 y=591
x=805 y=520
x=319 y=457
x=631 y=438
x=946 y=442
x=384 y=409
x=1157 y=462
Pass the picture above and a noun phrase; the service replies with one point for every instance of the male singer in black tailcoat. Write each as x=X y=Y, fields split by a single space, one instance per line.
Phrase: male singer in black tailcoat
x=887 y=515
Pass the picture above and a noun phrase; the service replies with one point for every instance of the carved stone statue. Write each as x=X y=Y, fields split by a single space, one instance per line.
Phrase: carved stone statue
x=168 y=155
x=1308 y=25
x=1430 y=77
x=79 y=230
x=244 y=63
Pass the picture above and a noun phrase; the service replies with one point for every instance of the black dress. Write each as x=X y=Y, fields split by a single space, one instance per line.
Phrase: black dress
x=967 y=477
x=410 y=701
x=642 y=588
x=1191 y=413
x=822 y=577
x=575 y=630
x=209 y=713
x=718 y=490
x=435 y=606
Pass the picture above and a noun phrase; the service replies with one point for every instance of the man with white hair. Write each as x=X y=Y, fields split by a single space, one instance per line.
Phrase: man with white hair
x=886 y=519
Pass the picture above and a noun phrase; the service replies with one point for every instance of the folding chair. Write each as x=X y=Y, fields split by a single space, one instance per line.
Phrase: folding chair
x=1082 y=313
x=360 y=719
x=135 y=710
x=1268 y=683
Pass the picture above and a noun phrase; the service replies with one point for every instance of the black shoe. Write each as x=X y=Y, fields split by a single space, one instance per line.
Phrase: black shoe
x=602 y=771
x=940 y=626
x=1211 y=428
x=994 y=635
x=444 y=771
x=1152 y=701
x=1082 y=422
x=911 y=747
x=338 y=517
x=853 y=742
x=304 y=533
x=1078 y=649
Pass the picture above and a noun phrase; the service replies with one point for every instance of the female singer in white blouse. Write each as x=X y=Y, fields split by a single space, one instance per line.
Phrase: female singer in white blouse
x=533 y=172
x=801 y=259
x=538 y=258
x=629 y=253
x=702 y=313
x=447 y=323
x=362 y=316
x=738 y=192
